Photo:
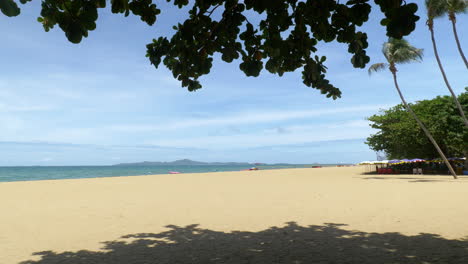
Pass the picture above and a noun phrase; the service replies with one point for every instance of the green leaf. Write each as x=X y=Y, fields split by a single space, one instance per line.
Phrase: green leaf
x=9 y=8
x=75 y=32
x=284 y=34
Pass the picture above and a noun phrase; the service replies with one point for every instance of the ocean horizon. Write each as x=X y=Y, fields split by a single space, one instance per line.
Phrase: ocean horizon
x=37 y=173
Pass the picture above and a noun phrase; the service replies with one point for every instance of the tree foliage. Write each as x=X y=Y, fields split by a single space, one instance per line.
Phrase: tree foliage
x=435 y=8
x=438 y=8
x=284 y=40
x=397 y=51
x=400 y=137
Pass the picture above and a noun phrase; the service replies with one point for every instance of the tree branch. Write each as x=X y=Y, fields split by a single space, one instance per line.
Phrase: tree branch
x=212 y=10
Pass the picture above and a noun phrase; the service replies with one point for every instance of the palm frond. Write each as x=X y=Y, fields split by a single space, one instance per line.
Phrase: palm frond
x=377 y=67
x=409 y=55
x=400 y=51
x=387 y=50
x=436 y=8
x=457 y=6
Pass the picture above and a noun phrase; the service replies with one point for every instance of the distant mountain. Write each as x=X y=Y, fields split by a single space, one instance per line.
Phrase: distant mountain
x=181 y=162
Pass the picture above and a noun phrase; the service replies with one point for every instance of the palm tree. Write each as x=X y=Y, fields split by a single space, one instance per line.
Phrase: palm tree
x=399 y=51
x=437 y=8
x=454 y=7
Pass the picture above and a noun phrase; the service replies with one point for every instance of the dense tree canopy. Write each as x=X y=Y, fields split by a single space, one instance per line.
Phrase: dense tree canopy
x=400 y=137
x=284 y=40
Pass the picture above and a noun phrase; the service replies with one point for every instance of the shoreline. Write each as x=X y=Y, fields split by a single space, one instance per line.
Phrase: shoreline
x=166 y=173
x=144 y=175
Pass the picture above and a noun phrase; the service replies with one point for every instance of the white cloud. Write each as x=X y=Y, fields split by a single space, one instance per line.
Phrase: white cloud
x=10 y=126
x=298 y=134
x=75 y=135
x=351 y=123
x=21 y=107
x=253 y=117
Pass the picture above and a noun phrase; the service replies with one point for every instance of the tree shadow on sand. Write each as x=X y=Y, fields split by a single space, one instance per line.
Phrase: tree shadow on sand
x=415 y=179
x=293 y=244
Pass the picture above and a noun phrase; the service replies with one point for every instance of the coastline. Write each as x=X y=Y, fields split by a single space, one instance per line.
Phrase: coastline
x=80 y=214
x=144 y=175
x=39 y=173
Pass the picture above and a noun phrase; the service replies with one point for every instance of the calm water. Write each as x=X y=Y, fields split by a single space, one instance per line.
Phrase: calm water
x=8 y=174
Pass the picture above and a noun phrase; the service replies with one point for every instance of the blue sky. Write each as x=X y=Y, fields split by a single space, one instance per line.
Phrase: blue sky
x=101 y=102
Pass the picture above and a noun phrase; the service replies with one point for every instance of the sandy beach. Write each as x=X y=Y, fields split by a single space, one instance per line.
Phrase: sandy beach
x=324 y=215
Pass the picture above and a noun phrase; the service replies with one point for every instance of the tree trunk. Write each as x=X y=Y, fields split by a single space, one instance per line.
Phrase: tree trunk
x=465 y=167
x=454 y=20
x=454 y=96
x=428 y=134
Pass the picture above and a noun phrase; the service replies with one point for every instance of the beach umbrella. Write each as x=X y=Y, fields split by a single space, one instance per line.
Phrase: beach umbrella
x=380 y=162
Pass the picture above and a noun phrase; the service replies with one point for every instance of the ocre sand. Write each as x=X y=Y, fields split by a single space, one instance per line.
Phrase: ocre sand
x=74 y=215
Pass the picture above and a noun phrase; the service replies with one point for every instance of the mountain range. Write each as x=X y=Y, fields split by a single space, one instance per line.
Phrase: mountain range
x=183 y=162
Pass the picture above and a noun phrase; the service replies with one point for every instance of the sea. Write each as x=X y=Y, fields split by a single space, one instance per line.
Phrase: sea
x=36 y=173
